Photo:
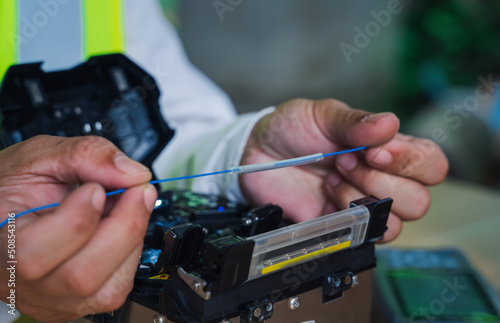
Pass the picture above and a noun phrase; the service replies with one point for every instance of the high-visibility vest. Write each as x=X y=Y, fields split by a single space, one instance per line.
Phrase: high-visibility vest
x=101 y=31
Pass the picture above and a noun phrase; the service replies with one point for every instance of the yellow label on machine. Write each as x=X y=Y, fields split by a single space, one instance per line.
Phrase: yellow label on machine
x=161 y=276
x=303 y=258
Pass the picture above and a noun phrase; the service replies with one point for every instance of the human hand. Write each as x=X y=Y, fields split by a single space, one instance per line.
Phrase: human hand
x=394 y=165
x=81 y=257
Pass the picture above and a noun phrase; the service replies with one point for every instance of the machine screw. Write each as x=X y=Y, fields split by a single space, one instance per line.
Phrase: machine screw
x=294 y=303
x=355 y=280
x=159 y=318
x=247 y=222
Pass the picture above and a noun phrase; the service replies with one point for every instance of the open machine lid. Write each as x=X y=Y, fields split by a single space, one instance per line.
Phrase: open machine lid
x=108 y=96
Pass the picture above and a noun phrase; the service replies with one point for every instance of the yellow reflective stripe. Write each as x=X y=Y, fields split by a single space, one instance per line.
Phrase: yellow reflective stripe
x=103 y=27
x=8 y=35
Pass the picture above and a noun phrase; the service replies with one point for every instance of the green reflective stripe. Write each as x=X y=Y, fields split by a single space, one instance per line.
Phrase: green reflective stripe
x=103 y=27
x=8 y=35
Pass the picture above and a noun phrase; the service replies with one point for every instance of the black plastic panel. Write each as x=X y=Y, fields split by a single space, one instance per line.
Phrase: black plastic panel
x=108 y=96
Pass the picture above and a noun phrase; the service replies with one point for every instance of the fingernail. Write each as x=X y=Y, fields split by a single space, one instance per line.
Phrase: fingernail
x=97 y=199
x=150 y=196
x=374 y=117
x=347 y=161
x=128 y=165
x=382 y=158
x=334 y=179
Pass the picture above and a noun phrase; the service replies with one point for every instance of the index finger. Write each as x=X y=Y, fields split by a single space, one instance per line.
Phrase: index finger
x=74 y=160
x=415 y=158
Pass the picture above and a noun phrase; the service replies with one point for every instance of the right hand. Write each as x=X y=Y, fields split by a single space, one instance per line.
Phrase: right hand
x=301 y=127
x=79 y=258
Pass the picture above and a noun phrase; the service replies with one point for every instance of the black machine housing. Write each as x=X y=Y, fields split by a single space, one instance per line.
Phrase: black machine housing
x=107 y=96
x=225 y=292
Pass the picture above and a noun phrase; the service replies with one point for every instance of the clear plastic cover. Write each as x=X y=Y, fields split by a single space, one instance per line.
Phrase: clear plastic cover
x=305 y=241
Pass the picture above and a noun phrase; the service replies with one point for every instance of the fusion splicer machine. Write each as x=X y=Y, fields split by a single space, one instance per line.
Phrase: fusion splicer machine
x=205 y=259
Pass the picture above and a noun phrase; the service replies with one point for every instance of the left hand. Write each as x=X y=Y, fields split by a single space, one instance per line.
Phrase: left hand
x=79 y=258
x=394 y=165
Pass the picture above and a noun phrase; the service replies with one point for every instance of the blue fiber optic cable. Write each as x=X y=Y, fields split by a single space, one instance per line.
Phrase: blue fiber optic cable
x=235 y=170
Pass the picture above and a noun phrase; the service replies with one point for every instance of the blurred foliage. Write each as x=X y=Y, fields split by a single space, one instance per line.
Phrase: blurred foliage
x=170 y=10
x=459 y=39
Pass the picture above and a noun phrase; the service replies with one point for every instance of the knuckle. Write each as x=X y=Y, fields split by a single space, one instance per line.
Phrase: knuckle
x=442 y=168
x=79 y=149
x=413 y=165
x=353 y=115
x=334 y=103
x=29 y=150
x=39 y=140
x=421 y=203
x=108 y=299
x=70 y=150
x=373 y=180
x=80 y=282
x=345 y=117
x=85 y=146
x=298 y=102
x=395 y=226
x=426 y=146
x=116 y=301
x=136 y=228
x=30 y=272
x=81 y=223
x=430 y=151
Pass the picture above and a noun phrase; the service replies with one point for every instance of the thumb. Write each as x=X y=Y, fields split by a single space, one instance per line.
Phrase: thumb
x=353 y=128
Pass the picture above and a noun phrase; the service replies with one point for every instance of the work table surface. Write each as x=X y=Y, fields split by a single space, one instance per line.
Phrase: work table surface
x=461 y=216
